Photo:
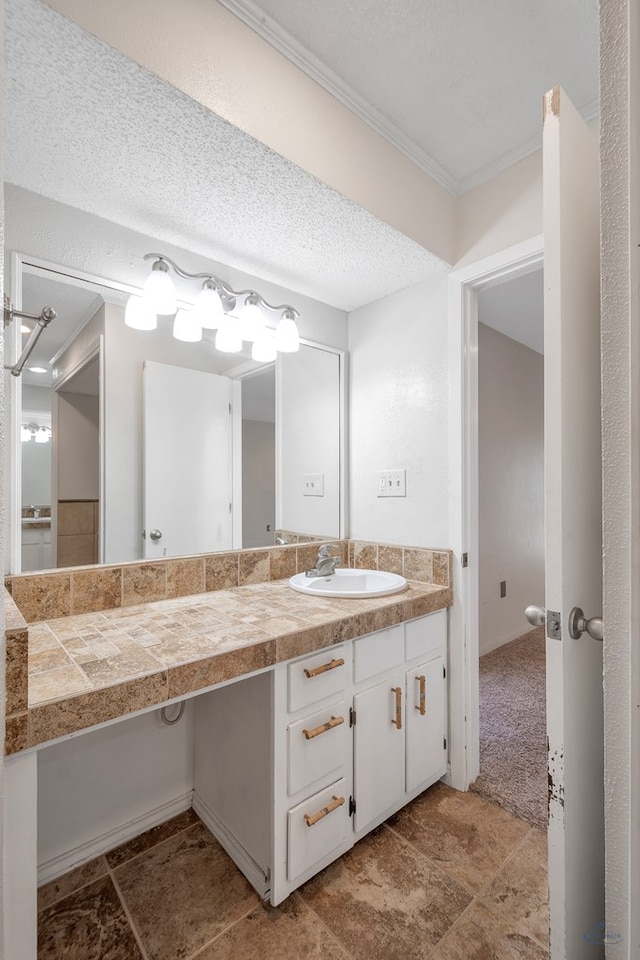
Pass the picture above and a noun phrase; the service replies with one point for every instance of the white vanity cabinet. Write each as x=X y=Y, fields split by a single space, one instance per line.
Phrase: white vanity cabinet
x=399 y=702
x=294 y=765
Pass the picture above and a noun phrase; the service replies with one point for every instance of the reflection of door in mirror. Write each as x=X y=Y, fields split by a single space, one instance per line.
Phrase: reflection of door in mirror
x=259 y=458
x=187 y=461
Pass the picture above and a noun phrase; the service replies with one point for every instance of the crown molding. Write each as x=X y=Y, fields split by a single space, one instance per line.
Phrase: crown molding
x=266 y=27
x=284 y=43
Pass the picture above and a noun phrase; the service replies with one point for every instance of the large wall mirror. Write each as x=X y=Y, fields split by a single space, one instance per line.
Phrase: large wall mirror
x=129 y=444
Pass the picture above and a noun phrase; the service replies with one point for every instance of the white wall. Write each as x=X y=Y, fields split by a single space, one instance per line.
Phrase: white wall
x=258 y=483
x=308 y=440
x=93 y=789
x=78 y=439
x=36 y=473
x=36 y=457
x=203 y=50
x=399 y=415
x=502 y=211
x=510 y=480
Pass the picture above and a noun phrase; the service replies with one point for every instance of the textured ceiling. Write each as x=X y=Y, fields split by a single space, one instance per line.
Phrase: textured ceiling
x=455 y=84
x=89 y=128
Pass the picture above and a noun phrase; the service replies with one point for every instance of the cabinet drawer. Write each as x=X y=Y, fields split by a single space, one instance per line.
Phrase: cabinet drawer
x=312 y=679
x=317 y=746
x=312 y=839
x=377 y=652
x=425 y=635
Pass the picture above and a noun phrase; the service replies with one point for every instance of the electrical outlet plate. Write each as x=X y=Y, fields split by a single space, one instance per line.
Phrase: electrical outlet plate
x=313 y=485
x=392 y=483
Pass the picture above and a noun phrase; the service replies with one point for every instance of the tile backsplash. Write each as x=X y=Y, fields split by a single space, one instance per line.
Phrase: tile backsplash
x=68 y=592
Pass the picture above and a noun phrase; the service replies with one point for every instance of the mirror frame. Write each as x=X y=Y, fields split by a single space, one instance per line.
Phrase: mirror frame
x=21 y=263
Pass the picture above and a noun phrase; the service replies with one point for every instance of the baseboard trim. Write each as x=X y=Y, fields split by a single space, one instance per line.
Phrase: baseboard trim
x=254 y=873
x=84 y=852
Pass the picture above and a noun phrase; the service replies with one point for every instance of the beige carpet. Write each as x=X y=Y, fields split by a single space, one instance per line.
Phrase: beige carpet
x=513 y=755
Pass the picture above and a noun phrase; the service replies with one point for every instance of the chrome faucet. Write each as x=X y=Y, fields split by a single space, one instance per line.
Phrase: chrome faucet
x=325 y=565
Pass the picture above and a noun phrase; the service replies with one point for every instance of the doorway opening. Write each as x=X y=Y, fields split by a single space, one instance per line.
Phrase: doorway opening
x=510 y=518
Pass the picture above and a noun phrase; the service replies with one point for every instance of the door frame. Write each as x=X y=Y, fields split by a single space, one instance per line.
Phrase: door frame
x=464 y=651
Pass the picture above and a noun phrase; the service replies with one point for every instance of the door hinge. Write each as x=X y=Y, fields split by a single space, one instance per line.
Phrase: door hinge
x=444 y=743
x=444 y=672
x=352 y=806
x=465 y=559
x=352 y=717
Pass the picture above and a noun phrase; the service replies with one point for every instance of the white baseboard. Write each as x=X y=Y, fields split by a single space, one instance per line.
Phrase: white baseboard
x=84 y=852
x=254 y=873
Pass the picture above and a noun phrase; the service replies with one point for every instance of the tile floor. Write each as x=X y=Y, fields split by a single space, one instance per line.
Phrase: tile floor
x=450 y=877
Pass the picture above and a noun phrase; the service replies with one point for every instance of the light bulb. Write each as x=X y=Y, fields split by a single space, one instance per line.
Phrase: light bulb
x=228 y=337
x=287 y=337
x=25 y=434
x=264 y=347
x=186 y=327
x=159 y=292
x=42 y=436
x=208 y=307
x=251 y=320
x=139 y=315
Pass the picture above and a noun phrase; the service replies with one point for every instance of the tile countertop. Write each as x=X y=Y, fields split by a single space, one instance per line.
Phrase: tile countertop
x=85 y=670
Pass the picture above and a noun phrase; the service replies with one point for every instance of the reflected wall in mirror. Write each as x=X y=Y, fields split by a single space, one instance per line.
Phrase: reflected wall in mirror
x=149 y=434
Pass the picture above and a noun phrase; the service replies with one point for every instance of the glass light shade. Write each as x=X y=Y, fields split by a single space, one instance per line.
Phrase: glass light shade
x=287 y=337
x=139 y=315
x=228 y=337
x=187 y=327
x=251 y=321
x=208 y=309
x=25 y=434
x=159 y=292
x=264 y=347
x=42 y=436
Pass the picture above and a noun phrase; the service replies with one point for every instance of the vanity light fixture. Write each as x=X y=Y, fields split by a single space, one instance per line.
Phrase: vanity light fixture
x=235 y=315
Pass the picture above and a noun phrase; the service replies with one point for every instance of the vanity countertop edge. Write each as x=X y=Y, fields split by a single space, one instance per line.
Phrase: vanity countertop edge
x=93 y=668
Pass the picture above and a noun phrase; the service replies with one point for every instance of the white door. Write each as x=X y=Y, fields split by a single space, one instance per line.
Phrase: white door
x=378 y=750
x=573 y=506
x=426 y=754
x=187 y=461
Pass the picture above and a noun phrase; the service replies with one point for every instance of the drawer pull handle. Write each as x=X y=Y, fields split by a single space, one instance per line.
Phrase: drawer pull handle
x=323 y=668
x=313 y=818
x=423 y=696
x=397 y=722
x=329 y=725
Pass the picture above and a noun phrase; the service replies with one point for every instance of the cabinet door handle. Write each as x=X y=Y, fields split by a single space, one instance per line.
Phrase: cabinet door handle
x=329 y=725
x=313 y=818
x=423 y=696
x=323 y=668
x=397 y=722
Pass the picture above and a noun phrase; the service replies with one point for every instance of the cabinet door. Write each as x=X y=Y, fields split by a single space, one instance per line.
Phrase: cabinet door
x=378 y=750
x=425 y=720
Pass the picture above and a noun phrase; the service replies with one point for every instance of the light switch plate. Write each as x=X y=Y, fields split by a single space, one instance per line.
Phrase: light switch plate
x=392 y=483
x=313 y=485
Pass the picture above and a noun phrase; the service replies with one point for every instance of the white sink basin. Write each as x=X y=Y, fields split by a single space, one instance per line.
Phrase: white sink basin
x=350 y=584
